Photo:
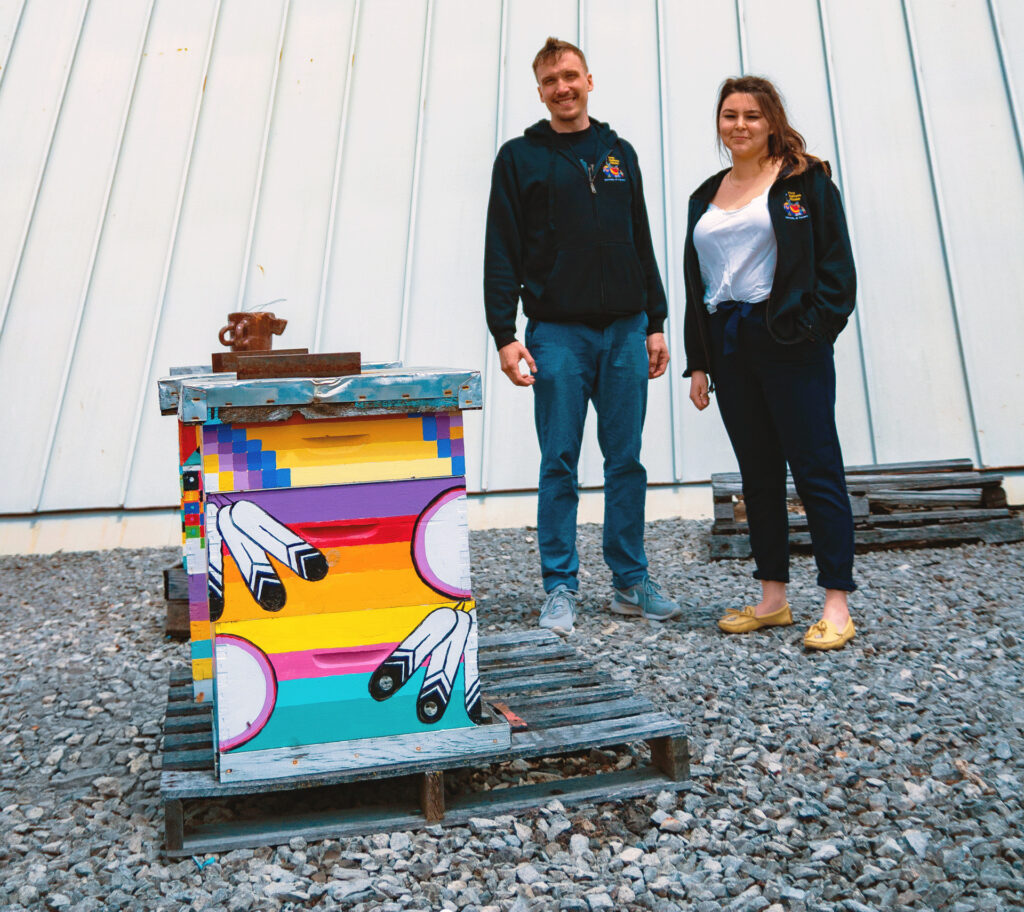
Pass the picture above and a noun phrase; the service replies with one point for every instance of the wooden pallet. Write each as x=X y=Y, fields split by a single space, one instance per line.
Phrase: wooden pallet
x=895 y=505
x=558 y=702
x=176 y=598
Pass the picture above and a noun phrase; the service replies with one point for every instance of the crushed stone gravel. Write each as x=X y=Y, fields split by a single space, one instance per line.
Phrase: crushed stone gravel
x=887 y=775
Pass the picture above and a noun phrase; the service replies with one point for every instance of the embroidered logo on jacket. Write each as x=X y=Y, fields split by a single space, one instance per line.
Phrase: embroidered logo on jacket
x=794 y=208
x=613 y=170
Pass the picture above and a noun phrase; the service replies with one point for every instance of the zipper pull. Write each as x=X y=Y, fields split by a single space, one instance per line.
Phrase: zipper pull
x=590 y=177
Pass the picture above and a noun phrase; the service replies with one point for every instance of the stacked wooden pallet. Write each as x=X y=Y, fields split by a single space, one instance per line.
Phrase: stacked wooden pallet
x=176 y=598
x=896 y=505
x=556 y=701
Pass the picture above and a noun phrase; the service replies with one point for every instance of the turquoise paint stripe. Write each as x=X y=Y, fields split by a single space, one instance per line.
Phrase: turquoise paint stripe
x=202 y=649
x=340 y=708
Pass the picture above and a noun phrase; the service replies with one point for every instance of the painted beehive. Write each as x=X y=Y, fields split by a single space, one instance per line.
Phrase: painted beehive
x=331 y=595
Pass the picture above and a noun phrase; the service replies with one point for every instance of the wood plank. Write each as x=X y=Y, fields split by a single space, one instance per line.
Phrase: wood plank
x=499 y=675
x=175 y=741
x=270 y=364
x=577 y=696
x=227 y=361
x=910 y=517
x=921 y=481
x=544 y=682
x=174 y=827
x=993 y=531
x=180 y=692
x=186 y=707
x=177 y=625
x=566 y=738
x=968 y=497
x=404 y=751
x=175 y=583
x=516 y=637
x=589 y=712
x=671 y=756
x=279 y=829
x=524 y=654
x=192 y=723
x=192 y=759
x=884 y=468
x=432 y=796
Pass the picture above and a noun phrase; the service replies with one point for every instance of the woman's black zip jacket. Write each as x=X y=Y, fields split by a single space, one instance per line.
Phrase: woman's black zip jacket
x=815 y=283
x=573 y=244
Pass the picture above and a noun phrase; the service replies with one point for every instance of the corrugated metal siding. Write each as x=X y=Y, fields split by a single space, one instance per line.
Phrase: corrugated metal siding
x=167 y=161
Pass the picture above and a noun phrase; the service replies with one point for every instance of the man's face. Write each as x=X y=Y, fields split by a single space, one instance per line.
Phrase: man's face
x=563 y=86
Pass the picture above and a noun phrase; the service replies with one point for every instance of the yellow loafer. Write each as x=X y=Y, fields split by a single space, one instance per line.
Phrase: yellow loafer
x=737 y=621
x=825 y=635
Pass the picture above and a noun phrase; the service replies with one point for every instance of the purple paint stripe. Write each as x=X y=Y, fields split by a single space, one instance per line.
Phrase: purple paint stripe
x=353 y=501
x=197 y=587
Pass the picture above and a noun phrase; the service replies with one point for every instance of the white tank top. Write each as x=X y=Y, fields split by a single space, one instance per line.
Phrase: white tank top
x=737 y=253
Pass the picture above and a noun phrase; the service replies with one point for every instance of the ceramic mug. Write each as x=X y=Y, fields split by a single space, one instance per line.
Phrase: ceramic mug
x=251 y=331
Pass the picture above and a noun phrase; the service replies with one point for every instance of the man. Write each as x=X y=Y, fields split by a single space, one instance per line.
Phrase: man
x=567 y=232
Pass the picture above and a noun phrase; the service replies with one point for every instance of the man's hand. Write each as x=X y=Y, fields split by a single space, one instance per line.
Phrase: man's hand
x=511 y=355
x=657 y=355
x=699 y=390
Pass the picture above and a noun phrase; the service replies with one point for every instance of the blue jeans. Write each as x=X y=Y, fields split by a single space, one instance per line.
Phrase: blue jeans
x=577 y=364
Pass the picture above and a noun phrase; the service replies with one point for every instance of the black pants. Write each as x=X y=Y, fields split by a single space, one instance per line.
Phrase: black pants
x=778 y=404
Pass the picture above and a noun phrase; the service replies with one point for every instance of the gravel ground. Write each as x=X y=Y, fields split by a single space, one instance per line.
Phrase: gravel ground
x=885 y=776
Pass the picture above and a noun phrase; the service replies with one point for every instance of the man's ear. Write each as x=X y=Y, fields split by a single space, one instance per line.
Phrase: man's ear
x=540 y=94
x=590 y=82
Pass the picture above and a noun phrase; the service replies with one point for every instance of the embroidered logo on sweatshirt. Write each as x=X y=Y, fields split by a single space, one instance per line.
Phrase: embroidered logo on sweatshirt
x=613 y=170
x=794 y=208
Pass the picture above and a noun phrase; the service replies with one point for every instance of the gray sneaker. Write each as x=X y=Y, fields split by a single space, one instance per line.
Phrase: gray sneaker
x=559 y=610
x=645 y=599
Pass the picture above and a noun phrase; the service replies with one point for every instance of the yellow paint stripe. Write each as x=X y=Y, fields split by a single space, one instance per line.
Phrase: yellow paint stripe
x=332 y=631
x=199 y=630
x=202 y=669
x=343 y=593
x=372 y=471
x=318 y=433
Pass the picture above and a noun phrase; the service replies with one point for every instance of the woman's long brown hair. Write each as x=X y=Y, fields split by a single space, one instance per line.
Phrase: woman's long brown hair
x=784 y=143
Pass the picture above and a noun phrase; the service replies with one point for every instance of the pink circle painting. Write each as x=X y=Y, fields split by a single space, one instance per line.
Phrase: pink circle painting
x=246 y=690
x=440 y=548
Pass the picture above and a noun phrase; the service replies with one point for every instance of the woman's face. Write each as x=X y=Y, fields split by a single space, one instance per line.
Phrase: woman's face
x=743 y=128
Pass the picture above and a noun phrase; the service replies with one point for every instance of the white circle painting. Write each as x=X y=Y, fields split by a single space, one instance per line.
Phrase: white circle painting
x=246 y=690
x=439 y=547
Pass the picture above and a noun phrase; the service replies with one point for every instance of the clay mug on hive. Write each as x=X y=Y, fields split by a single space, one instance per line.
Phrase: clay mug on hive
x=251 y=331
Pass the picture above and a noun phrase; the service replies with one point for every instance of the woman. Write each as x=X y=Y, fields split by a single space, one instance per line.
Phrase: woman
x=770 y=283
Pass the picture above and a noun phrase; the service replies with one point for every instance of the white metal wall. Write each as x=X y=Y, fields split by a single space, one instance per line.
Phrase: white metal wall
x=167 y=161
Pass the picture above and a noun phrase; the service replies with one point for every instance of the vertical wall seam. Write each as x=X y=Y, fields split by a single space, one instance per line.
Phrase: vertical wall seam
x=161 y=299
x=940 y=212
x=44 y=165
x=1011 y=95
x=675 y=397
x=410 y=237
x=490 y=352
x=336 y=183
x=91 y=267
x=581 y=25
x=741 y=36
x=257 y=190
x=837 y=139
x=5 y=65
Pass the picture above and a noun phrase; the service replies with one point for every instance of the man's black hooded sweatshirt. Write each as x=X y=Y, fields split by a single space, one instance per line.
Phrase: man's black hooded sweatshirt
x=573 y=242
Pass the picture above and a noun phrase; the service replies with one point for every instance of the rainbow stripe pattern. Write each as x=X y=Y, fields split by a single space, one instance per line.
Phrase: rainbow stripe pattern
x=301 y=453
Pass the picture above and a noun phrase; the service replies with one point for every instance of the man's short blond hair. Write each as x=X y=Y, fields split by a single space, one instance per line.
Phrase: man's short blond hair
x=555 y=48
